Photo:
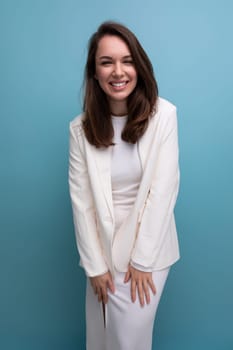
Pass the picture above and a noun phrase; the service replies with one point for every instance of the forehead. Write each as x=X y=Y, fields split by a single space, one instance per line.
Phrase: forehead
x=112 y=45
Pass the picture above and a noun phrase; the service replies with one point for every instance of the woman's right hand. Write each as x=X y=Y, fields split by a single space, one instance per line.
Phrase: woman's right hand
x=101 y=284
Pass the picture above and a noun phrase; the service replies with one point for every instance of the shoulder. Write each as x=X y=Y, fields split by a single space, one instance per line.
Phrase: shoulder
x=76 y=125
x=163 y=120
x=165 y=113
x=164 y=107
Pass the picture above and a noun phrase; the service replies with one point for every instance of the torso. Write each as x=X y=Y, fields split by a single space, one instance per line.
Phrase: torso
x=126 y=172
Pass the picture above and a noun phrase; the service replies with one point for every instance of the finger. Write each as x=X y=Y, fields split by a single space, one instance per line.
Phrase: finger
x=140 y=293
x=99 y=294
x=104 y=296
x=152 y=286
x=127 y=277
x=146 y=292
x=99 y=297
x=104 y=293
x=133 y=290
x=111 y=285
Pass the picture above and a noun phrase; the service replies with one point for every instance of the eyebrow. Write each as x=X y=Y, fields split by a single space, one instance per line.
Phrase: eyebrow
x=110 y=58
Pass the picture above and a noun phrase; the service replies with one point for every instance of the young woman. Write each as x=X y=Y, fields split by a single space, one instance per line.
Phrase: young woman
x=124 y=178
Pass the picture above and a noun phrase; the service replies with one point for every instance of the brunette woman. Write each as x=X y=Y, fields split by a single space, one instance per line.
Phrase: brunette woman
x=124 y=178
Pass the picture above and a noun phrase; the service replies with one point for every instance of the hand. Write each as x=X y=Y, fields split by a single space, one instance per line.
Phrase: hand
x=141 y=282
x=101 y=284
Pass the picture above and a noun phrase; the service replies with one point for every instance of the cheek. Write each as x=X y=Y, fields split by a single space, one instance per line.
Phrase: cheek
x=133 y=74
x=101 y=74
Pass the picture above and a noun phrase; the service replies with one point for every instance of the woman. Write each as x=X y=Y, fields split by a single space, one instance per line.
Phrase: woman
x=124 y=179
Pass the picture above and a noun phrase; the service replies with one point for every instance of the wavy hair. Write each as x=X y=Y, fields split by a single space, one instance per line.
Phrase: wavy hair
x=140 y=103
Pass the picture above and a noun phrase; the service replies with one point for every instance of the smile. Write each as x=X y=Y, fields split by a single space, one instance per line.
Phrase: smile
x=120 y=84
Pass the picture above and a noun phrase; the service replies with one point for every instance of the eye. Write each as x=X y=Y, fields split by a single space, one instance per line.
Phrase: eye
x=129 y=62
x=106 y=63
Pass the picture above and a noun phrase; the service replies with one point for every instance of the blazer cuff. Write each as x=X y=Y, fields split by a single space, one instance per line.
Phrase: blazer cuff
x=140 y=267
x=91 y=272
x=97 y=274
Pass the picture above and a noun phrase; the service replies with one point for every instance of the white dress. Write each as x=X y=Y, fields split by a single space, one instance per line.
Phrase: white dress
x=127 y=326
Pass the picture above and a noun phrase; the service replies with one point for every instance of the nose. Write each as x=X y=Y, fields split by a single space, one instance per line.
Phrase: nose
x=118 y=71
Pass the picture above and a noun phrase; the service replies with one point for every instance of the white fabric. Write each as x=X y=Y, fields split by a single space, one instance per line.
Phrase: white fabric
x=128 y=325
x=126 y=172
x=151 y=239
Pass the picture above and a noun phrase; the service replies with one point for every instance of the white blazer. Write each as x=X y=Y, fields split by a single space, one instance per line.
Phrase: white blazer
x=148 y=236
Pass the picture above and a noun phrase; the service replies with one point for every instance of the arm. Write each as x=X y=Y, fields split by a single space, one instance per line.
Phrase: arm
x=84 y=211
x=157 y=214
x=158 y=211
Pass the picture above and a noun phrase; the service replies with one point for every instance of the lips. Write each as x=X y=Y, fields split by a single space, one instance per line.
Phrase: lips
x=118 y=84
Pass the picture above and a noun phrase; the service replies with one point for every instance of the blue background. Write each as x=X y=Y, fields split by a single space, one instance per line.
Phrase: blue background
x=43 y=50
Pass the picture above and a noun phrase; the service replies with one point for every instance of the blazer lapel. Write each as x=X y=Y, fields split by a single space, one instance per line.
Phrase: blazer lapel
x=103 y=164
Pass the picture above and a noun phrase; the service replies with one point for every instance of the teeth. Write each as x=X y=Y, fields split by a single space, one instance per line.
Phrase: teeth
x=118 y=84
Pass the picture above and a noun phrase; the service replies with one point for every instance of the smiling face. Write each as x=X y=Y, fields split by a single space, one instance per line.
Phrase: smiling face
x=115 y=72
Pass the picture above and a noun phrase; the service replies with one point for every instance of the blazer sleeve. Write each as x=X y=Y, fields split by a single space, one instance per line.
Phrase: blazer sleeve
x=158 y=210
x=84 y=216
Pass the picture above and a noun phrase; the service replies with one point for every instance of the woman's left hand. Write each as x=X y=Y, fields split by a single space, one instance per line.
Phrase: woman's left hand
x=141 y=283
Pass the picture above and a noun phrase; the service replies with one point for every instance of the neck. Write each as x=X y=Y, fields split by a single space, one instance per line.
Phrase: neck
x=118 y=108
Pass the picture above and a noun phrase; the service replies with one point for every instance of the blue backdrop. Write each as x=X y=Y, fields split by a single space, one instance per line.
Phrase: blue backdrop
x=43 y=50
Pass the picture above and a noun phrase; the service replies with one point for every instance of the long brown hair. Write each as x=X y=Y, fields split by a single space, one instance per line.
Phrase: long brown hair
x=140 y=103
